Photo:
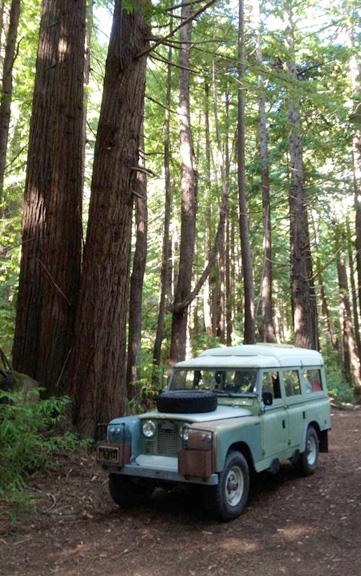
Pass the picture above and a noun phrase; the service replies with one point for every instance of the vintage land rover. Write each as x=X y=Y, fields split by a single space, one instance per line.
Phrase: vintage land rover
x=223 y=415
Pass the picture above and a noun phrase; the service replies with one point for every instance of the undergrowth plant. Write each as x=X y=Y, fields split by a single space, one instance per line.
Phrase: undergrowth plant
x=30 y=433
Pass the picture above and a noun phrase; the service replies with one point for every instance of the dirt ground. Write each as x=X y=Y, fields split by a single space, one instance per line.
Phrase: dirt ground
x=293 y=525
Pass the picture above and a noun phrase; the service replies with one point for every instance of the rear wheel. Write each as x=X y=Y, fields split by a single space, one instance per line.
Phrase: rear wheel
x=227 y=500
x=308 y=460
x=127 y=492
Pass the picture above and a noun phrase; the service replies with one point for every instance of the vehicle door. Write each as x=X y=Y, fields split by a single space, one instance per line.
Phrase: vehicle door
x=295 y=407
x=275 y=434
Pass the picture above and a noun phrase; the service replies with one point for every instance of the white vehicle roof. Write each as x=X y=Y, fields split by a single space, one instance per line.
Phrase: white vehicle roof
x=254 y=356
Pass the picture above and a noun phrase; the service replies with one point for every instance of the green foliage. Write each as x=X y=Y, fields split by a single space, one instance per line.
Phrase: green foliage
x=338 y=389
x=30 y=435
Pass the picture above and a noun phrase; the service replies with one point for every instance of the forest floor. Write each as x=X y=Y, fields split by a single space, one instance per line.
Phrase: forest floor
x=293 y=525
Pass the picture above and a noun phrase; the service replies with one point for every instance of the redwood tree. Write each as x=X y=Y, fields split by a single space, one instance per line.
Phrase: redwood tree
x=249 y=312
x=303 y=296
x=137 y=278
x=51 y=249
x=267 y=308
x=99 y=361
x=7 y=89
x=180 y=313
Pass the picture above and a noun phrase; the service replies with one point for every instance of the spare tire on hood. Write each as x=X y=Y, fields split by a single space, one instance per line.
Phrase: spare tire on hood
x=187 y=401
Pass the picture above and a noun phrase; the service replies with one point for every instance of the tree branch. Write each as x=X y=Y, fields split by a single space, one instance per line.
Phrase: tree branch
x=161 y=40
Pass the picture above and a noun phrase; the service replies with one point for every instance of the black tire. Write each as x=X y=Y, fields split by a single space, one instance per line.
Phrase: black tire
x=228 y=499
x=187 y=401
x=308 y=460
x=128 y=492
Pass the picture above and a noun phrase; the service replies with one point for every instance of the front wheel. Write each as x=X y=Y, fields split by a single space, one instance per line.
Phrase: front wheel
x=308 y=461
x=227 y=500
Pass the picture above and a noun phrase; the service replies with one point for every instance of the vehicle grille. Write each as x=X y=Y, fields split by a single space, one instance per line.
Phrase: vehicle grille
x=167 y=441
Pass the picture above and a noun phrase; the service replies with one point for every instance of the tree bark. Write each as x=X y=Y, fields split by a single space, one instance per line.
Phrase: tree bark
x=157 y=351
x=98 y=374
x=137 y=278
x=356 y=322
x=266 y=289
x=183 y=289
x=51 y=249
x=249 y=315
x=207 y=233
x=303 y=297
x=7 y=91
x=355 y=67
x=350 y=357
x=2 y=7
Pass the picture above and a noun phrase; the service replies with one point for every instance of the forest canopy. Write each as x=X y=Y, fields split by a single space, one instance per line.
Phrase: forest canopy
x=175 y=177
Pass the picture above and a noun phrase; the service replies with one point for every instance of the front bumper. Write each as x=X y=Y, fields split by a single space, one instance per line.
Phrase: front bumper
x=162 y=468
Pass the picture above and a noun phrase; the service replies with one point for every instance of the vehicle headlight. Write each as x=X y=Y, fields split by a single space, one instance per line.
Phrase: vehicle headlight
x=149 y=428
x=185 y=433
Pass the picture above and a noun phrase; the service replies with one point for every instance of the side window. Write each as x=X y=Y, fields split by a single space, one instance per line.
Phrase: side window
x=271 y=384
x=312 y=380
x=291 y=381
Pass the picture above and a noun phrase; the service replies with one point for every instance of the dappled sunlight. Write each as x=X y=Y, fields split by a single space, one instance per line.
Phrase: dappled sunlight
x=236 y=545
x=295 y=532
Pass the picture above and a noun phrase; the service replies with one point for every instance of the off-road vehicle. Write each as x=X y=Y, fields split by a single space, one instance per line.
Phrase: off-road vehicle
x=230 y=412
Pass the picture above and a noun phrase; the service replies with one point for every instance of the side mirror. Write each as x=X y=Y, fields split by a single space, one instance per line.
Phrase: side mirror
x=267 y=398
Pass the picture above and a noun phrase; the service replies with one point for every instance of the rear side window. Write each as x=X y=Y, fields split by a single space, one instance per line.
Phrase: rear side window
x=271 y=384
x=291 y=380
x=312 y=380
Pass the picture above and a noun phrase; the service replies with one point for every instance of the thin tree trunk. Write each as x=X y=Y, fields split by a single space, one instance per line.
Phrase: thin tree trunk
x=180 y=314
x=249 y=314
x=98 y=375
x=87 y=66
x=207 y=232
x=2 y=35
x=223 y=169
x=51 y=250
x=355 y=67
x=228 y=260
x=266 y=289
x=7 y=91
x=350 y=357
x=353 y=291
x=157 y=351
x=303 y=298
x=137 y=278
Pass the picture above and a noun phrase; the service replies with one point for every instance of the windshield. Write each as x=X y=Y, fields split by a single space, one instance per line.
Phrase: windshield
x=223 y=382
x=192 y=380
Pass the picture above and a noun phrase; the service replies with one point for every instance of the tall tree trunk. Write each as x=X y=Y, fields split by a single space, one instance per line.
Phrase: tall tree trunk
x=179 y=316
x=51 y=250
x=207 y=233
x=98 y=375
x=228 y=260
x=356 y=322
x=303 y=298
x=249 y=315
x=223 y=169
x=2 y=34
x=87 y=66
x=350 y=357
x=266 y=289
x=157 y=351
x=7 y=91
x=355 y=66
x=137 y=278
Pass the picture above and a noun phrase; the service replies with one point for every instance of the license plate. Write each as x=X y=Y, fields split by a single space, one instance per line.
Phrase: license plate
x=168 y=426
x=107 y=454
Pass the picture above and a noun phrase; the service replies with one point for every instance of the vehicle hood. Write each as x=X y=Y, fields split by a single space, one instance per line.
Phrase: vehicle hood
x=221 y=413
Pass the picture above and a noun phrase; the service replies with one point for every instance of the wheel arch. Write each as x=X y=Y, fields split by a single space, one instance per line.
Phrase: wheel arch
x=321 y=434
x=245 y=450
